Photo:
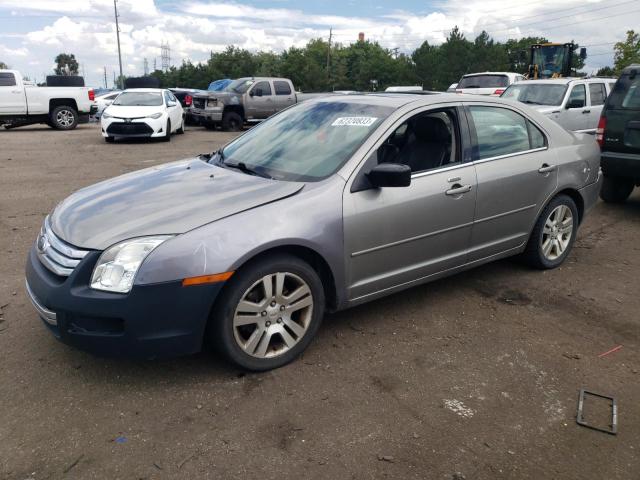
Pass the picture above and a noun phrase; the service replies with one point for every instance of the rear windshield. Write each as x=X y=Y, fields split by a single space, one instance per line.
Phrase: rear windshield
x=536 y=93
x=625 y=94
x=484 y=81
x=139 y=99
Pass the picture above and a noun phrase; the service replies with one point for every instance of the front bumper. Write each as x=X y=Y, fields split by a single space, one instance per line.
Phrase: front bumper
x=206 y=115
x=151 y=321
x=139 y=127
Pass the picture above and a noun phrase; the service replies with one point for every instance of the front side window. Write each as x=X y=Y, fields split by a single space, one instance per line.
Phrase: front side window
x=167 y=97
x=577 y=97
x=500 y=131
x=597 y=93
x=239 y=86
x=139 y=99
x=7 y=79
x=264 y=87
x=307 y=142
x=426 y=141
x=282 y=88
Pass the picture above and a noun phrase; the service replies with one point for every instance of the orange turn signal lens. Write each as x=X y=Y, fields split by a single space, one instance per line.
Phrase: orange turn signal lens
x=215 y=278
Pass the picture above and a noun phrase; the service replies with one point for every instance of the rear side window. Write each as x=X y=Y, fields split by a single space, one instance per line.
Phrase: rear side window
x=597 y=93
x=282 y=88
x=264 y=86
x=7 y=79
x=578 y=94
x=500 y=131
x=484 y=81
x=626 y=94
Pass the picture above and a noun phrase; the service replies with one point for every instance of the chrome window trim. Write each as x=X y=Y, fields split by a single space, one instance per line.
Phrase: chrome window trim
x=515 y=154
x=47 y=315
x=425 y=173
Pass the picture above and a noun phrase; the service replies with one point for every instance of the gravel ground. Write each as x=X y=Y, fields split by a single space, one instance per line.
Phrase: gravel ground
x=472 y=377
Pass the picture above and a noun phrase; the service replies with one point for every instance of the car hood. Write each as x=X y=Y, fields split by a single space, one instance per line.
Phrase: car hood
x=133 y=111
x=546 y=109
x=168 y=199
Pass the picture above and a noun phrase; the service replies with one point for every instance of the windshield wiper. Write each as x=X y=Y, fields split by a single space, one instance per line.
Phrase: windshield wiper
x=531 y=102
x=245 y=169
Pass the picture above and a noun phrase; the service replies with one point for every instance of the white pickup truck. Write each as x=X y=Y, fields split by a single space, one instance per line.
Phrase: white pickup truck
x=22 y=103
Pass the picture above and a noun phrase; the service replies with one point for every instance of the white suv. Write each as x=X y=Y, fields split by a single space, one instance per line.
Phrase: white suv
x=574 y=103
x=487 y=83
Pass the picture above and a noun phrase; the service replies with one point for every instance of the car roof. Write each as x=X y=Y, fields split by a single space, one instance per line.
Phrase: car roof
x=563 y=81
x=397 y=100
x=148 y=90
x=490 y=73
x=260 y=79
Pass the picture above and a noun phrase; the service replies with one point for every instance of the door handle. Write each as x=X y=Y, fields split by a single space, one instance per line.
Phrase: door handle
x=16 y=91
x=458 y=190
x=586 y=111
x=547 y=168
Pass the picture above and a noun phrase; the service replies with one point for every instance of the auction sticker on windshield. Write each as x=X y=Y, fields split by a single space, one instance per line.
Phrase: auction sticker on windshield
x=354 y=121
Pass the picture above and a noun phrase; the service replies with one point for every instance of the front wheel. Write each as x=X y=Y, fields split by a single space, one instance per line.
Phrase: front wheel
x=553 y=235
x=109 y=139
x=180 y=130
x=268 y=313
x=231 y=122
x=616 y=189
x=167 y=135
x=63 y=118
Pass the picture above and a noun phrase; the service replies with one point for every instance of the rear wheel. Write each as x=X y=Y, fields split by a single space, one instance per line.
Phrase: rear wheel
x=231 y=122
x=268 y=313
x=553 y=235
x=64 y=118
x=616 y=189
x=109 y=139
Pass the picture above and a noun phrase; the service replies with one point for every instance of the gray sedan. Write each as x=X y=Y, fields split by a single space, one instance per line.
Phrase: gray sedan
x=331 y=203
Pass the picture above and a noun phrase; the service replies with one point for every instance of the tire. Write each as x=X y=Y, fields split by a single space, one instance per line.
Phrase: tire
x=180 y=131
x=231 y=122
x=550 y=245
x=167 y=135
x=109 y=139
x=245 y=342
x=210 y=126
x=64 y=118
x=616 y=189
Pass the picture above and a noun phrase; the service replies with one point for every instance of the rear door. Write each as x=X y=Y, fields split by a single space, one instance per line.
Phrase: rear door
x=597 y=97
x=574 y=115
x=284 y=94
x=12 y=97
x=516 y=174
x=622 y=132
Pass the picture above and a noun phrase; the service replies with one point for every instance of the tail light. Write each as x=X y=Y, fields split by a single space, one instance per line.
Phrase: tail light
x=602 y=124
x=92 y=95
x=188 y=100
x=499 y=91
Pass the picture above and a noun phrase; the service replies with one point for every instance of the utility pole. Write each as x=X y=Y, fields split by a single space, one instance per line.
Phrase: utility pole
x=329 y=55
x=146 y=67
x=105 y=77
x=115 y=10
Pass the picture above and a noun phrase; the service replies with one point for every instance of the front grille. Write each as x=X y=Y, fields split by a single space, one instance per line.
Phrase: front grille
x=55 y=254
x=137 y=128
x=198 y=102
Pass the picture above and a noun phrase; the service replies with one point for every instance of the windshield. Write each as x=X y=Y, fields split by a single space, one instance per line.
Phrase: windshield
x=139 y=99
x=484 y=81
x=239 y=86
x=551 y=60
x=307 y=142
x=536 y=93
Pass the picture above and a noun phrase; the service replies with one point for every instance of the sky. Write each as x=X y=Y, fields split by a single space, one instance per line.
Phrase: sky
x=33 y=32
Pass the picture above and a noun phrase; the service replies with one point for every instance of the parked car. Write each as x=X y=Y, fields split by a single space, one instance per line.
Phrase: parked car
x=249 y=99
x=487 y=83
x=22 y=103
x=142 y=112
x=409 y=88
x=185 y=97
x=329 y=204
x=104 y=100
x=618 y=135
x=575 y=103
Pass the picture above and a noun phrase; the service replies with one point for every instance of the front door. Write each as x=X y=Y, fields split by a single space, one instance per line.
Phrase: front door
x=261 y=102
x=396 y=236
x=575 y=114
x=12 y=96
x=516 y=175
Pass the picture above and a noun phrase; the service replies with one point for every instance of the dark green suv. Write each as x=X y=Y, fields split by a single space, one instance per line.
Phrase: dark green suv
x=618 y=134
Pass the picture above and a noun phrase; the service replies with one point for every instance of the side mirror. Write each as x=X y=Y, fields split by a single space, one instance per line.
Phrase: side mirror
x=583 y=53
x=390 y=175
x=575 y=103
x=633 y=73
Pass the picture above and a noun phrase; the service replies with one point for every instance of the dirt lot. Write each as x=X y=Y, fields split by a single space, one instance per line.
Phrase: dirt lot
x=476 y=376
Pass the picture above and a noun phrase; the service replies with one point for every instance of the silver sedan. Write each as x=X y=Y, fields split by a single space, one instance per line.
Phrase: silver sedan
x=330 y=203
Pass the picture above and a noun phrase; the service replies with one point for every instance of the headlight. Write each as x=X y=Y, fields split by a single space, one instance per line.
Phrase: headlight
x=156 y=116
x=118 y=265
x=105 y=114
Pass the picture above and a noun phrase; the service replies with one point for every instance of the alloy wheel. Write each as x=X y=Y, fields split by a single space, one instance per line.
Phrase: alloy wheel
x=65 y=118
x=273 y=315
x=557 y=232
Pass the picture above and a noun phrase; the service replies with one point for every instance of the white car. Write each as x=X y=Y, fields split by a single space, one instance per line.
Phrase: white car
x=487 y=83
x=143 y=112
x=104 y=100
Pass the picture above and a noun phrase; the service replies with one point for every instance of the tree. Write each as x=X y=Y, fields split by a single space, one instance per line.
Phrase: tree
x=627 y=52
x=3 y=66
x=606 y=72
x=66 y=64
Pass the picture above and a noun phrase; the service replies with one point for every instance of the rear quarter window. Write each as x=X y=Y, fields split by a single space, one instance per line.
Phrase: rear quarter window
x=484 y=81
x=7 y=79
x=626 y=94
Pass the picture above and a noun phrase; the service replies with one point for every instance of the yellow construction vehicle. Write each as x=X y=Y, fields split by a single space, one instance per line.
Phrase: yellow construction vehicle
x=552 y=60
